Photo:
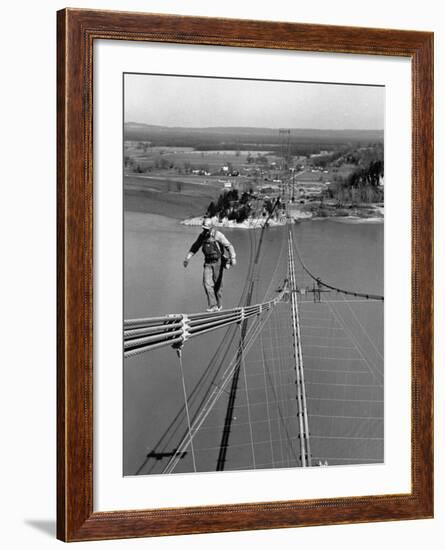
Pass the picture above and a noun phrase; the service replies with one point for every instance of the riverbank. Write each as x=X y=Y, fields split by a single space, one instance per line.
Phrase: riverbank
x=250 y=223
x=356 y=215
x=364 y=212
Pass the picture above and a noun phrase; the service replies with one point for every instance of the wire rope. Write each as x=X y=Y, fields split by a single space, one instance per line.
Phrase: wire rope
x=186 y=408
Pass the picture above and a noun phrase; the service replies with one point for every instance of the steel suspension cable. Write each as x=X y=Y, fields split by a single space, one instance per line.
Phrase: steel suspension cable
x=267 y=398
x=363 y=329
x=249 y=418
x=282 y=379
x=331 y=287
x=278 y=390
x=186 y=407
x=370 y=365
x=276 y=386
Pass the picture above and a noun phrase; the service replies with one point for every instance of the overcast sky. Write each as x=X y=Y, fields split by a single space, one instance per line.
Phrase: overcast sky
x=198 y=102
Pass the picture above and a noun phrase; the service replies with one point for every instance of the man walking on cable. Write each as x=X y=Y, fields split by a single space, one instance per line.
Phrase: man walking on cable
x=214 y=246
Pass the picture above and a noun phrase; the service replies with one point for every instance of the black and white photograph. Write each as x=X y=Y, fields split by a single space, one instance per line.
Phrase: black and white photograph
x=253 y=328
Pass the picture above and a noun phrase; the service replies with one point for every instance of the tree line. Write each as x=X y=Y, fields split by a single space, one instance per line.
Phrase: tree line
x=231 y=206
x=362 y=185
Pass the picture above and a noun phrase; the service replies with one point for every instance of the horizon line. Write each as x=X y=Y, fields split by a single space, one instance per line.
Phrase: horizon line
x=260 y=127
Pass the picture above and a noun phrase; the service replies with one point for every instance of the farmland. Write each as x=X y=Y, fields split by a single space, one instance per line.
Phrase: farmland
x=179 y=171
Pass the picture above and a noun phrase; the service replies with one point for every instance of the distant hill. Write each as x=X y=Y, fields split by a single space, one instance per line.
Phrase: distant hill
x=302 y=141
x=140 y=131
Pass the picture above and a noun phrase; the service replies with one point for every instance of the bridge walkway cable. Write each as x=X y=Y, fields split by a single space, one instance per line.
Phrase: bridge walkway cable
x=142 y=335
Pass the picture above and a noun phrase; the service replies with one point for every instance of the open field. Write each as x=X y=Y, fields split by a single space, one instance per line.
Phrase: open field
x=182 y=157
x=174 y=199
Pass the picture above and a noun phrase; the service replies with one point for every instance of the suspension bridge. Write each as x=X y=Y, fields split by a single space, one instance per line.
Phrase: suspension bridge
x=296 y=380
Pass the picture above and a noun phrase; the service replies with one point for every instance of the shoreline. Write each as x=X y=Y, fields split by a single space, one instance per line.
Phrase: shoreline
x=185 y=203
x=255 y=223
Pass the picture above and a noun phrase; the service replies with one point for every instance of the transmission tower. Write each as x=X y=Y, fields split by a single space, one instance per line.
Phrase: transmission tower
x=285 y=153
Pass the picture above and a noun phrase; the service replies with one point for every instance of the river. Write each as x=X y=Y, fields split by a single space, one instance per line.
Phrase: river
x=156 y=283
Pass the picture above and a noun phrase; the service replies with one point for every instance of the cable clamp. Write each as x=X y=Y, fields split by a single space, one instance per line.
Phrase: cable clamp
x=243 y=315
x=185 y=327
x=185 y=335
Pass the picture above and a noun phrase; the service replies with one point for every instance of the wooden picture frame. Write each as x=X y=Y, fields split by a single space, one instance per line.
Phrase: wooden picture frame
x=77 y=31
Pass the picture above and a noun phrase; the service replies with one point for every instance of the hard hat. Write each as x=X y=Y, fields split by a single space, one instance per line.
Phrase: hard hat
x=206 y=223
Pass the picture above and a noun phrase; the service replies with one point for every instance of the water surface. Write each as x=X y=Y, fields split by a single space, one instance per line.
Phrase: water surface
x=156 y=283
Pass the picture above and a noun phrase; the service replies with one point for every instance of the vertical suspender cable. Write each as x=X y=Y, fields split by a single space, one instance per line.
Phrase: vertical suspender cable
x=249 y=418
x=267 y=399
x=187 y=409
